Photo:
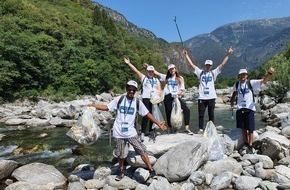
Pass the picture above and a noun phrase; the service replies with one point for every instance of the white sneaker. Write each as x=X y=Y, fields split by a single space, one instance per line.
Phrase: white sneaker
x=142 y=137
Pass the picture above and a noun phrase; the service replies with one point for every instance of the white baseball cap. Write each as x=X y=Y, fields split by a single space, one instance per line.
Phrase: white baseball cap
x=171 y=66
x=208 y=62
x=132 y=83
x=150 y=68
x=241 y=71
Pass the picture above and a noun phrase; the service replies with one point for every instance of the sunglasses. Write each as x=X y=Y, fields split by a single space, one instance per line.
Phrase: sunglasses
x=131 y=90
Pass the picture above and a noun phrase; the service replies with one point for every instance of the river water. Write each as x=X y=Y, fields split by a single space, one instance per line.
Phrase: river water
x=65 y=154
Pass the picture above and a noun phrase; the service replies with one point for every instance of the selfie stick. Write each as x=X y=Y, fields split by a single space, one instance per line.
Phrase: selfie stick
x=178 y=31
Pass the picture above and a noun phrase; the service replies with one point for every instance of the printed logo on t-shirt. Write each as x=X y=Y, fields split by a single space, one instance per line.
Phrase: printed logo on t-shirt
x=124 y=110
x=172 y=83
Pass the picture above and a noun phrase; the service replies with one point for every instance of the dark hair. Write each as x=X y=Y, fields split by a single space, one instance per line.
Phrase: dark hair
x=178 y=77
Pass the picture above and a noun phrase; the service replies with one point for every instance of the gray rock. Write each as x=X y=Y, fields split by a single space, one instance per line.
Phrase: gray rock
x=222 y=180
x=219 y=166
x=95 y=183
x=125 y=183
x=197 y=178
x=254 y=158
x=7 y=167
x=39 y=174
x=246 y=183
x=160 y=184
x=141 y=175
x=180 y=161
x=22 y=185
x=76 y=186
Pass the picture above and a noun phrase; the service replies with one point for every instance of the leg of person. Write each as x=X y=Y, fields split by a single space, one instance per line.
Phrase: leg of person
x=120 y=152
x=168 y=108
x=251 y=128
x=186 y=115
x=151 y=130
x=210 y=109
x=201 y=110
x=241 y=124
x=140 y=149
x=144 y=123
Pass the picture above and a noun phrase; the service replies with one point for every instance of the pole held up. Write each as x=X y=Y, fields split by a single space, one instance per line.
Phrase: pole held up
x=178 y=31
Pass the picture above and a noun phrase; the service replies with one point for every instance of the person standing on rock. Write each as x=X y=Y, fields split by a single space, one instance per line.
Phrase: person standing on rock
x=206 y=88
x=124 y=126
x=174 y=88
x=244 y=91
x=150 y=84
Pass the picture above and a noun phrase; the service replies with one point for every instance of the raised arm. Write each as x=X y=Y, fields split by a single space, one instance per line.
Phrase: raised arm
x=138 y=73
x=271 y=70
x=226 y=58
x=190 y=62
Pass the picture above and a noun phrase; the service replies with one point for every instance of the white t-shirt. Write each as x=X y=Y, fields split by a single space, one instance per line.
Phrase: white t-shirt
x=172 y=86
x=124 y=125
x=245 y=95
x=206 y=88
x=149 y=86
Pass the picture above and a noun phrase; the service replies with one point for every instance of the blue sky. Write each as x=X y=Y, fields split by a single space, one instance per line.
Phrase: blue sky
x=194 y=17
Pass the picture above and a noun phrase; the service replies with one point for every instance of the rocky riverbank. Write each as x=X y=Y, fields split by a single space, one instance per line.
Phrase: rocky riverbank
x=181 y=161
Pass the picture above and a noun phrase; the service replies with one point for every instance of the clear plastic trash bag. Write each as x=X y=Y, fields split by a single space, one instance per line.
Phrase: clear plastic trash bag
x=157 y=97
x=215 y=149
x=85 y=131
x=176 y=114
x=157 y=114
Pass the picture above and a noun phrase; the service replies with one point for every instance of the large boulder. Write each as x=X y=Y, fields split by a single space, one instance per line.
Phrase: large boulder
x=40 y=174
x=180 y=161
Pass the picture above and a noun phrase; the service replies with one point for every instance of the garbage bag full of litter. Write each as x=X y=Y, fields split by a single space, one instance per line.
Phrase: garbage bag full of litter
x=85 y=131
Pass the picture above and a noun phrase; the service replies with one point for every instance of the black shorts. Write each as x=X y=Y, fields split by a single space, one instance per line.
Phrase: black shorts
x=246 y=119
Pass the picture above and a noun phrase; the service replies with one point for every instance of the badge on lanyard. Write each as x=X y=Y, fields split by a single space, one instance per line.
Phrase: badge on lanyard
x=124 y=127
x=206 y=91
x=244 y=104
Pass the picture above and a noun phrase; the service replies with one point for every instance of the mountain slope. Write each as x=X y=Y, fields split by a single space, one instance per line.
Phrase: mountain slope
x=254 y=42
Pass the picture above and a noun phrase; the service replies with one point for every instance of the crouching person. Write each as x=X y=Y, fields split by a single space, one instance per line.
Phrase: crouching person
x=124 y=126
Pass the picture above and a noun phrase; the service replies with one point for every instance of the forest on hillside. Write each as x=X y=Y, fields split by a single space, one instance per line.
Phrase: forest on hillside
x=60 y=49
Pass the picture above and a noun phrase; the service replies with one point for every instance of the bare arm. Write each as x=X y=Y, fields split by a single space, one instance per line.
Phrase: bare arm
x=99 y=107
x=226 y=58
x=271 y=70
x=232 y=101
x=161 y=125
x=190 y=62
x=138 y=73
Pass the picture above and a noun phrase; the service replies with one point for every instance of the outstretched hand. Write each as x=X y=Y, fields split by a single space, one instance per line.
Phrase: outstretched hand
x=127 y=60
x=145 y=65
x=230 y=50
x=162 y=126
x=184 y=52
x=271 y=70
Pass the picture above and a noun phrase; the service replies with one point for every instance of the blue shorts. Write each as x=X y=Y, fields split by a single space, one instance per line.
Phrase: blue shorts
x=245 y=119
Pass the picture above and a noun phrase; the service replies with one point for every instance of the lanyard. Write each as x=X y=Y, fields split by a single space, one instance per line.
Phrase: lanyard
x=243 y=90
x=152 y=83
x=126 y=110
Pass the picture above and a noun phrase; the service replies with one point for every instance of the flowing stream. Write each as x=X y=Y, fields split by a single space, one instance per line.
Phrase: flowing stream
x=59 y=150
